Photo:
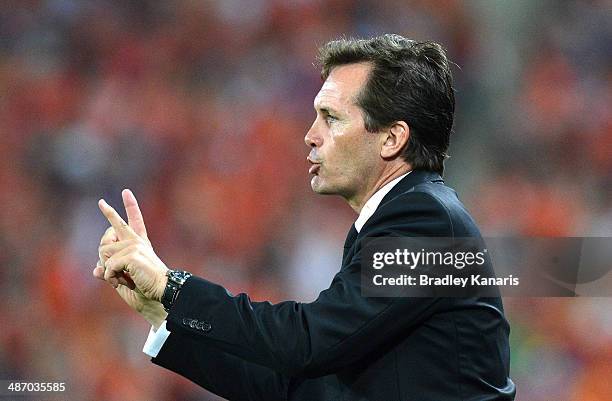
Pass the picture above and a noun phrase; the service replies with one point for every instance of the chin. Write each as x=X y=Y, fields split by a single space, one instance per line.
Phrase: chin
x=321 y=187
x=318 y=185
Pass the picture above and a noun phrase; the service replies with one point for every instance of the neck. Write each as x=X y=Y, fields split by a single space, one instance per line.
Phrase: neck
x=388 y=175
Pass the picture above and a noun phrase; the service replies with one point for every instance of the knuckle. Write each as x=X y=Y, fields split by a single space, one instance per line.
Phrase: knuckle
x=108 y=237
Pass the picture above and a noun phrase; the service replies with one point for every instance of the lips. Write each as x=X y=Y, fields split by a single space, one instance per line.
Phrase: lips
x=314 y=169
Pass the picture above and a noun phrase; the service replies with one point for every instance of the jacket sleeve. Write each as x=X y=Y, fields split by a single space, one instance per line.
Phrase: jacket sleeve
x=313 y=339
x=219 y=372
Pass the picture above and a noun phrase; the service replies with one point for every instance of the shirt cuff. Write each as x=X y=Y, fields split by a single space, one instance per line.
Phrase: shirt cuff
x=156 y=340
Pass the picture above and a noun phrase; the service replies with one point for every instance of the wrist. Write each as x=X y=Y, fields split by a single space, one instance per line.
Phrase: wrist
x=174 y=283
x=154 y=313
x=161 y=287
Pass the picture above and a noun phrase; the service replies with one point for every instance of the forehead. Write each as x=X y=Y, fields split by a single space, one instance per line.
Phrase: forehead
x=341 y=87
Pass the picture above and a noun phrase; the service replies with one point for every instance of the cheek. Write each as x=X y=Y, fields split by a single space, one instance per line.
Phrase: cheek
x=337 y=155
x=342 y=142
x=345 y=156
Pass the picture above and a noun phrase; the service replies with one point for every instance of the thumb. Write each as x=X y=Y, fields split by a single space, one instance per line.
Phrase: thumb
x=135 y=219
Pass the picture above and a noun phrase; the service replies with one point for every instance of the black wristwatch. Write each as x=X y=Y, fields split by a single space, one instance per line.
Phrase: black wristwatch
x=176 y=279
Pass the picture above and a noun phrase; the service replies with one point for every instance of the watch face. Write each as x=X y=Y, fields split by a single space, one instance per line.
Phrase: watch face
x=179 y=276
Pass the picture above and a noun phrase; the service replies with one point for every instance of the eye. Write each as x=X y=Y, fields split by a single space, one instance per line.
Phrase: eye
x=330 y=118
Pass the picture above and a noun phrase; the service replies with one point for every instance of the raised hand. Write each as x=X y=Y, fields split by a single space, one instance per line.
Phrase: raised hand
x=136 y=222
x=126 y=246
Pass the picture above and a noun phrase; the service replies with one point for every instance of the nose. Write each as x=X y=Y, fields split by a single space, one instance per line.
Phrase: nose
x=312 y=138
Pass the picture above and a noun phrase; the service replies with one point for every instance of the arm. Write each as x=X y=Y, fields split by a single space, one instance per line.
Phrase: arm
x=296 y=339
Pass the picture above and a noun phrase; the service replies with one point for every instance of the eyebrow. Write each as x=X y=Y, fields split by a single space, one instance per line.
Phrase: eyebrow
x=326 y=110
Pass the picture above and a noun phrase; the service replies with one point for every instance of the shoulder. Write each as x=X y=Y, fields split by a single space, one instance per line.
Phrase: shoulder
x=427 y=209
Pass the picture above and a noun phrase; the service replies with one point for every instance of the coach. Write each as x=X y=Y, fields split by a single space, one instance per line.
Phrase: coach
x=383 y=121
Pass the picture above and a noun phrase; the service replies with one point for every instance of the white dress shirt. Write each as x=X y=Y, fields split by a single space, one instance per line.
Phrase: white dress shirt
x=372 y=204
x=156 y=339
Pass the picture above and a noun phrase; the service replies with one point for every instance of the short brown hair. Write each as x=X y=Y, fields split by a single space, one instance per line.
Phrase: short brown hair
x=410 y=81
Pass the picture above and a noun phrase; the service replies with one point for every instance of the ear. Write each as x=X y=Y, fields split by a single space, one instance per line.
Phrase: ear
x=395 y=140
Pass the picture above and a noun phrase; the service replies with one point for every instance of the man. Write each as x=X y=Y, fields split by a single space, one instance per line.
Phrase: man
x=379 y=140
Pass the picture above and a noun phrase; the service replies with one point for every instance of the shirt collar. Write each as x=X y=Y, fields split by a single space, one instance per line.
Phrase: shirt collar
x=372 y=204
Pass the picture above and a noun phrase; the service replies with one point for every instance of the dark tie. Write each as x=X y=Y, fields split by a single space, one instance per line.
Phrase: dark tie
x=350 y=240
x=350 y=237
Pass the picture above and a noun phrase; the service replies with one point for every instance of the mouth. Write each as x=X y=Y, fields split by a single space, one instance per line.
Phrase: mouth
x=314 y=169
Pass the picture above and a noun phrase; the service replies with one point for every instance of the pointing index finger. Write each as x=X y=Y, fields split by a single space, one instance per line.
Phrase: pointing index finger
x=122 y=229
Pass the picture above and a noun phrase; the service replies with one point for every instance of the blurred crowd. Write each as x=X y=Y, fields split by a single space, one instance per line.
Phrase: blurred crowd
x=200 y=107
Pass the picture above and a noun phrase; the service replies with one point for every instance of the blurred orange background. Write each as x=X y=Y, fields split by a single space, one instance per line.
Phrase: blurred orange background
x=200 y=107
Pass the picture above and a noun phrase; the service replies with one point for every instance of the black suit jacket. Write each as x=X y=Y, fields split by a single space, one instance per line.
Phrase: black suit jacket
x=343 y=346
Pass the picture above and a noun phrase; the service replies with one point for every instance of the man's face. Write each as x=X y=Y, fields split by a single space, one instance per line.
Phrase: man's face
x=345 y=156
